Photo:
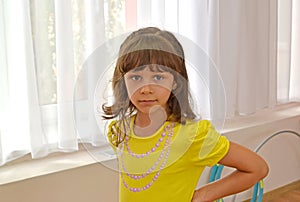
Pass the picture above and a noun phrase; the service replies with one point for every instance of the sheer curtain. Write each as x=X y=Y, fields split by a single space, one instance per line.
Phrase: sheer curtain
x=248 y=54
x=44 y=45
x=258 y=47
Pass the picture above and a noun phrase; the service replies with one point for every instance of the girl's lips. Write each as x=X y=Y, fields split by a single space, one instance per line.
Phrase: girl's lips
x=147 y=101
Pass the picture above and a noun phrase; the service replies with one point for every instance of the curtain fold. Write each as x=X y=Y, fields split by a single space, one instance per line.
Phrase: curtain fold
x=65 y=75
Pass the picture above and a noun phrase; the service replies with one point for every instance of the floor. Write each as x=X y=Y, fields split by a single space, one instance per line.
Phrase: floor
x=290 y=196
x=290 y=193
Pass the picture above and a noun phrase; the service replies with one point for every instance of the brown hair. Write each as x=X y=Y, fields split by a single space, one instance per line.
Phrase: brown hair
x=143 y=48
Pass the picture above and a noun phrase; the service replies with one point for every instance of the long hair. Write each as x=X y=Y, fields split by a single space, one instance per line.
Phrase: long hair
x=141 y=49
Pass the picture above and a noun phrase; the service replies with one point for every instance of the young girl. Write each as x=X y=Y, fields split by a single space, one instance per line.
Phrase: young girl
x=162 y=148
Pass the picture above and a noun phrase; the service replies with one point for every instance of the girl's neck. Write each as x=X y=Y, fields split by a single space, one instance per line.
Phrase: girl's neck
x=147 y=124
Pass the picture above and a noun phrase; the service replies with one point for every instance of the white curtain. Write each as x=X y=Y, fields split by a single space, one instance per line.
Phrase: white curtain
x=45 y=44
x=259 y=51
x=248 y=54
x=42 y=50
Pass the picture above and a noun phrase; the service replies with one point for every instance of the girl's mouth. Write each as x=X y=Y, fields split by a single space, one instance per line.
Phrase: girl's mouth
x=147 y=101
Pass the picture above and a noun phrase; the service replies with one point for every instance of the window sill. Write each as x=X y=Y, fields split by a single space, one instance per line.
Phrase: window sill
x=26 y=167
x=264 y=116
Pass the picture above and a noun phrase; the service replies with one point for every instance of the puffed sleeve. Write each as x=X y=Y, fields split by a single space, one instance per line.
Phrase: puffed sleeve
x=208 y=147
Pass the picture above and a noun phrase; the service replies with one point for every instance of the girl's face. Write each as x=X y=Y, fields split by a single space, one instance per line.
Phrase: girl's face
x=148 y=88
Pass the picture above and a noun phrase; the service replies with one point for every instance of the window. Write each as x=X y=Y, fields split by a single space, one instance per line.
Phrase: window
x=44 y=45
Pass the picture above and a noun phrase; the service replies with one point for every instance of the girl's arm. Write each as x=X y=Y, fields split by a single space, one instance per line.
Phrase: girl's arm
x=250 y=168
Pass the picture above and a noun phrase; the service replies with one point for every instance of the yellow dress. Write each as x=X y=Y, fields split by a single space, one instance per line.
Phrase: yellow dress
x=166 y=166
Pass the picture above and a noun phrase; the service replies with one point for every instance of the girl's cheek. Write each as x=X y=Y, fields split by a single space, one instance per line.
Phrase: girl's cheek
x=131 y=89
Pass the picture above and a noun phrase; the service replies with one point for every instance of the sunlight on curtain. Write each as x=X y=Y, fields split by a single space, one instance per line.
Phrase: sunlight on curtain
x=43 y=46
x=75 y=29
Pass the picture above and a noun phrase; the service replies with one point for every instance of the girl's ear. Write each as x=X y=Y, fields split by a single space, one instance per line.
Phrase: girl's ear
x=174 y=85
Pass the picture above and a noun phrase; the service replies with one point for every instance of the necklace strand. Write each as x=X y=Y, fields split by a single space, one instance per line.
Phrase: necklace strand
x=136 y=177
x=153 y=149
x=162 y=158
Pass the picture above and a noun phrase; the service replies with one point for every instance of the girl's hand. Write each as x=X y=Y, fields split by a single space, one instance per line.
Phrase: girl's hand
x=196 y=196
x=199 y=196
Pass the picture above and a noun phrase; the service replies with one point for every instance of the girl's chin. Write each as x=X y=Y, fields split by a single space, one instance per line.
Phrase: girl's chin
x=152 y=109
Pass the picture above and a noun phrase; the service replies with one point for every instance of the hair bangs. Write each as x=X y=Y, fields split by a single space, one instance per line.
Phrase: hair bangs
x=155 y=60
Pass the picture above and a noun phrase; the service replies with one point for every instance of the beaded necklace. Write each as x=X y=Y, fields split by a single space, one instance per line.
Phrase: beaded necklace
x=166 y=137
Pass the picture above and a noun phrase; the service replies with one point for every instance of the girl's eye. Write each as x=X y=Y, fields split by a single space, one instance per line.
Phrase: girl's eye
x=136 y=77
x=158 y=77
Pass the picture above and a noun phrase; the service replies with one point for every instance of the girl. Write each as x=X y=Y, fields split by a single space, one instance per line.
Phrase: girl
x=162 y=148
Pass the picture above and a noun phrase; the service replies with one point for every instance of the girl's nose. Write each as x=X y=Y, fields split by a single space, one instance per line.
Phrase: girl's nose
x=146 y=89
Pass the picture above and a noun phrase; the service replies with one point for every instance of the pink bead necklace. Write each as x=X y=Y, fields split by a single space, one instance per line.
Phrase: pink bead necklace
x=153 y=149
x=162 y=159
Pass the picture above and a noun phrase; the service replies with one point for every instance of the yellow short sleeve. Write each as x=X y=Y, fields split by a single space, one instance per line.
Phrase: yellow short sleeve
x=209 y=146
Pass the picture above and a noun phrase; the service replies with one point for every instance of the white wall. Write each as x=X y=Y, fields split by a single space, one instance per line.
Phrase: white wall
x=93 y=183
